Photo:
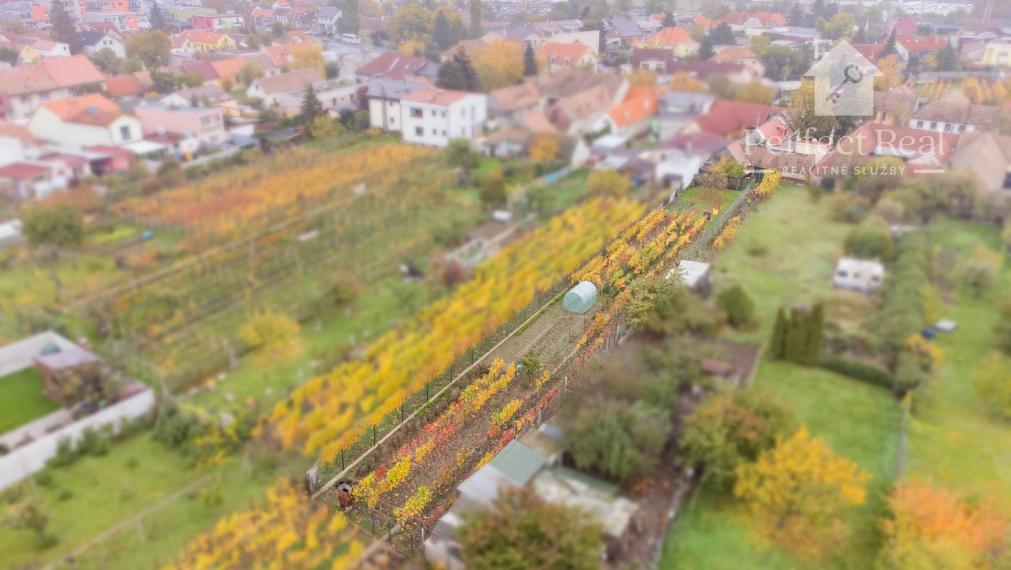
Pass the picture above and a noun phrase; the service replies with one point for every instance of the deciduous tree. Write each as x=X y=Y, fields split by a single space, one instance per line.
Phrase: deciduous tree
x=609 y=182
x=152 y=47
x=500 y=64
x=801 y=490
x=59 y=225
x=522 y=531
x=738 y=306
x=619 y=439
x=275 y=333
x=544 y=148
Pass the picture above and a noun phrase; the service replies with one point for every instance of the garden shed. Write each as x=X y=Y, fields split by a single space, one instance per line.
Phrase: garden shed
x=580 y=298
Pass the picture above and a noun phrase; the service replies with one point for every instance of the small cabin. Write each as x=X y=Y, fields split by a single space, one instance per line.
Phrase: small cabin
x=863 y=275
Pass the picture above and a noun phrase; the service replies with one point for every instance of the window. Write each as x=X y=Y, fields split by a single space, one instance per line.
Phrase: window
x=962 y=128
x=933 y=125
x=919 y=124
x=124 y=132
x=419 y=131
x=947 y=127
x=416 y=112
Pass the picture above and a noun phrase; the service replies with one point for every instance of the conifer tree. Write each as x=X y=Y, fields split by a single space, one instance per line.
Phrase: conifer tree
x=64 y=28
x=157 y=18
x=777 y=348
x=529 y=62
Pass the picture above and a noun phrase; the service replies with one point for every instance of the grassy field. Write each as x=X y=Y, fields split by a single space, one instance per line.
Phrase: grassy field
x=953 y=441
x=695 y=197
x=97 y=493
x=784 y=255
x=22 y=399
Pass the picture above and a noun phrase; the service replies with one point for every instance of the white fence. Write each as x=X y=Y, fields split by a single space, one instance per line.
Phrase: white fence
x=32 y=457
x=21 y=354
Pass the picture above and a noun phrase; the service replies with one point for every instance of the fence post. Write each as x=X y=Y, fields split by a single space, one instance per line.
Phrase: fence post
x=373 y=435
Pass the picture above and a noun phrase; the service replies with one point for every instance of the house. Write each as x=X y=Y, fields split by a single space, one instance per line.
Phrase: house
x=736 y=73
x=677 y=110
x=620 y=31
x=633 y=116
x=37 y=49
x=863 y=275
x=954 y=113
x=199 y=126
x=334 y=97
x=25 y=87
x=915 y=47
x=677 y=40
x=567 y=55
x=395 y=65
x=95 y=41
x=128 y=85
x=741 y=56
x=997 y=53
x=60 y=366
x=20 y=181
x=384 y=97
x=754 y=23
x=534 y=463
x=202 y=41
x=693 y=274
x=218 y=22
x=657 y=60
x=679 y=159
x=83 y=121
x=988 y=155
x=922 y=151
x=269 y=88
x=895 y=106
x=328 y=19
x=122 y=22
x=730 y=119
x=436 y=116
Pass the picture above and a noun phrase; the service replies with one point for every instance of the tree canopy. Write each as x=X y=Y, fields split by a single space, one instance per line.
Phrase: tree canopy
x=56 y=225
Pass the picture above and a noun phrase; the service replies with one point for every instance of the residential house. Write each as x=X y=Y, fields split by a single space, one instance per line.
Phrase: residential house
x=567 y=55
x=384 y=97
x=128 y=85
x=581 y=113
x=679 y=109
x=83 y=121
x=730 y=119
x=679 y=159
x=754 y=23
x=895 y=106
x=21 y=181
x=25 y=87
x=398 y=66
x=37 y=49
x=657 y=60
x=914 y=48
x=262 y=17
x=436 y=116
x=122 y=22
x=633 y=116
x=954 y=113
x=218 y=22
x=988 y=155
x=268 y=89
x=741 y=56
x=196 y=127
x=334 y=96
x=95 y=41
x=736 y=73
x=620 y=31
x=328 y=20
x=922 y=151
x=677 y=40
x=202 y=41
x=997 y=53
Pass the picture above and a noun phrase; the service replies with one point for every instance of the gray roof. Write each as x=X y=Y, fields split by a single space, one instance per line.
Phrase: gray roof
x=518 y=463
x=622 y=27
x=393 y=88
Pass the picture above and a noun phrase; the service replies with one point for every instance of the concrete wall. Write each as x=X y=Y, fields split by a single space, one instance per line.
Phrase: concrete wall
x=21 y=354
x=31 y=458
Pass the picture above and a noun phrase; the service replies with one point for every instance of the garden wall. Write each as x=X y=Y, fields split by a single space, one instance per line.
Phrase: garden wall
x=19 y=355
x=31 y=458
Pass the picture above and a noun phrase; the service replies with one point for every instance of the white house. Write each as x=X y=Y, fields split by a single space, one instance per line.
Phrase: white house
x=435 y=116
x=95 y=42
x=84 y=121
x=384 y=97
x=270 y=88
x=861 y=275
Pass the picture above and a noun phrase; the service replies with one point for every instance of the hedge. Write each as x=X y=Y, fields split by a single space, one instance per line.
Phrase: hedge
x=857 y=370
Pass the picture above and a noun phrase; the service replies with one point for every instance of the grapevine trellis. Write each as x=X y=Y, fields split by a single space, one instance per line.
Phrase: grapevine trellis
x=181 y=325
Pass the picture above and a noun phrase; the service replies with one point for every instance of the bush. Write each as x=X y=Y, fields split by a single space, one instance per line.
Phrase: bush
x=44 y=479
x=66 y=454
x=617 y=439
x=757 y=249
x=493 y=187
x=870 y=241
x=738 y=306
x=869 y=373
x=93 y=442
x=608 y=182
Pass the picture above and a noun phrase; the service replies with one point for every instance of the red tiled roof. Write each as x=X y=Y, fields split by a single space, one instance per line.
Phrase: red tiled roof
x=201 y=36
x=22 y=171
x=922 y=44
x=560 y=51
x=91 y=109
x=768 y=19
x=667 y=37
x=639 y=104
x=393 y=65
x=126 y=85
x=733 y=54
x=878 y=139
x=15 y=131
x=289 y=82
x=435 y=96
x=727 y=117
x=72 y=71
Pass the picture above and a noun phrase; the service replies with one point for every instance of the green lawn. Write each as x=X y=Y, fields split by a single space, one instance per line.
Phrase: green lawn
x=22 y=399
x=376 y=310
x=694 y=197
x=784 y=255
x=96 y=493
x=953 y=441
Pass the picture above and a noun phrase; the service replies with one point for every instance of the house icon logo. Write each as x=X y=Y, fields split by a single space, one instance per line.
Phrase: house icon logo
x=843 y=83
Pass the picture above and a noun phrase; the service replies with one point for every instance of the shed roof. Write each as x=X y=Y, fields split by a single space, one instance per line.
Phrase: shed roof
x=518 y=462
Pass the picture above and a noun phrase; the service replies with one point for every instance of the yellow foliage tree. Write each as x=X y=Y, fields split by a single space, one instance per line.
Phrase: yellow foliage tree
x=681 y=81
x=412 y=47
x=890 y=73
x=801 y=489
x=500 y=64
x=308 y=57
x=642 y=77
x=544 y=148
x=276 y=333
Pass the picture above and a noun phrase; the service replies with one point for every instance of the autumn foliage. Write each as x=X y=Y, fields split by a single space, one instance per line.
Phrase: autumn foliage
x=286 y=531
x=933 y=524
x=800 y=491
